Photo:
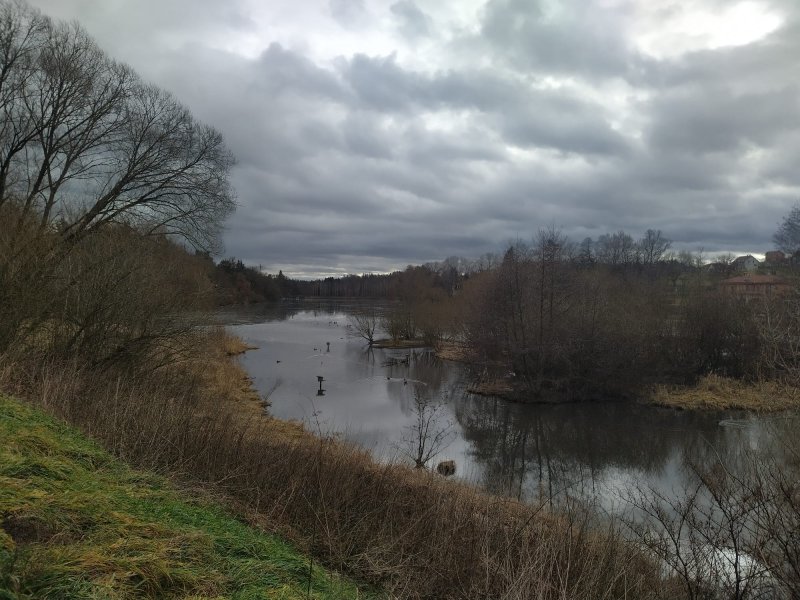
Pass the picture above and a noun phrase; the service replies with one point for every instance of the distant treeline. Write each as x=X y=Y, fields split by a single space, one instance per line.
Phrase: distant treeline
x=238 y=283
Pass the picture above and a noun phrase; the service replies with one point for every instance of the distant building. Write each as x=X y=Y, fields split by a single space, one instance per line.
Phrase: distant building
x=745 y=264
x=717 y=268
x=752 y=287
x=775 y=257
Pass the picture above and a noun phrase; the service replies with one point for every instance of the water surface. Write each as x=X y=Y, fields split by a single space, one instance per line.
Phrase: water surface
x=595 y=451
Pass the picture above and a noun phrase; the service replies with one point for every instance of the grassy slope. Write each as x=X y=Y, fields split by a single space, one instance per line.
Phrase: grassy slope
x=76 y=523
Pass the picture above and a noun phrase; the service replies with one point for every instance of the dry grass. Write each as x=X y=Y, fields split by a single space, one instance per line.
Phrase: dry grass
x=455 y=351
x=223 y=385
x=410 y=532
x=713 y=392
x=231 y=345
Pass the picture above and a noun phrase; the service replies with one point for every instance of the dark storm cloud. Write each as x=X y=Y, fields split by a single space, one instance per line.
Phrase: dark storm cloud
x=729 y=98
x=782 y=168
x=281 y=71
x=525 y=116
x=365 y=136
x=362 y=159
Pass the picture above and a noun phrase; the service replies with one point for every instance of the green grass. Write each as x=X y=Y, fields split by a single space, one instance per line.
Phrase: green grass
x=77 y=523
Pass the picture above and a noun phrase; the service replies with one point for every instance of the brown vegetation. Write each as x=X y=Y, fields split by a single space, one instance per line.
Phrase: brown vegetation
x=713 y=392
x=731 y=532
x=452 y=350
x=407 y=531
x=502 y=387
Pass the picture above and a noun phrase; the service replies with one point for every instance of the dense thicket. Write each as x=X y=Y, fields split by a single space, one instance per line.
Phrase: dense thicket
x=568 y=328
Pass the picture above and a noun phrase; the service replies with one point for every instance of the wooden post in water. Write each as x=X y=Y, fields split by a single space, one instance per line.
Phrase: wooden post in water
x=320 y=391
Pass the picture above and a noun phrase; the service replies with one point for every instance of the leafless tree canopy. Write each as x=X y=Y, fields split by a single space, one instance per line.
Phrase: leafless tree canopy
x=365 y=325
x=97 y=170
x=787 y=238
x=84 y=141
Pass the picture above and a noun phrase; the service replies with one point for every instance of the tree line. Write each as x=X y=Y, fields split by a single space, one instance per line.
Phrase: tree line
x=565 y=326
x=242 y=284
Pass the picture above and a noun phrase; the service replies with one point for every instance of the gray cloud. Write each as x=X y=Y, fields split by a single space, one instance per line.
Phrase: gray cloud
x=286 y=72
x=356 y=158
x=581 y=133
x=524 y=115
x=709 y=119
x=571 y=37
x=413 y=23
x=348 y=13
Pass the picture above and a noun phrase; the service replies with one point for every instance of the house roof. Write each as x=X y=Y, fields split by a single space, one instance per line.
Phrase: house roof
x=741 y=259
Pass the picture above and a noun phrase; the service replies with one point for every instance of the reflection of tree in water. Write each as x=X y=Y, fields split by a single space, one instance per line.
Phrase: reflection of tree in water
x=740 y=442
x=548 y=450
x=423 y=372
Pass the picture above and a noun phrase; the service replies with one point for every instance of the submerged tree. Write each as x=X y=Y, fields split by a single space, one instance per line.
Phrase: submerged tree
x=429 y=434
x=365 y=324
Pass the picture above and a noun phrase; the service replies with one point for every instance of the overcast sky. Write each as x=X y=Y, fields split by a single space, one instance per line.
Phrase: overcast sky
x=373 y=134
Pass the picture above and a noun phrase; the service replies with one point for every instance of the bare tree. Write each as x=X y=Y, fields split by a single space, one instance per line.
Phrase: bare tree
x=728 y=535
x=365 y=324
x=84 y=142
x=778 y=323
x=586 y=252
x=616 y=249
x=429 y=434
x=787 y=237
x=97 y=169
x=653 y=246
x=485 y=262
x=21 y=38
x=552 y=249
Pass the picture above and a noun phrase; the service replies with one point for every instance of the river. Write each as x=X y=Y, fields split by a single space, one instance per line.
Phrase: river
x=596 y=451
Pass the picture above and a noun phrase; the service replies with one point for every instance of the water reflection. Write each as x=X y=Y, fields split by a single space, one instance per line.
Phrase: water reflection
x=588 y=450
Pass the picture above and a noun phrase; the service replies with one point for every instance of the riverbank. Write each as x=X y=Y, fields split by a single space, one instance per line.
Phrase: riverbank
x=77 y=523
x=407 y=531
